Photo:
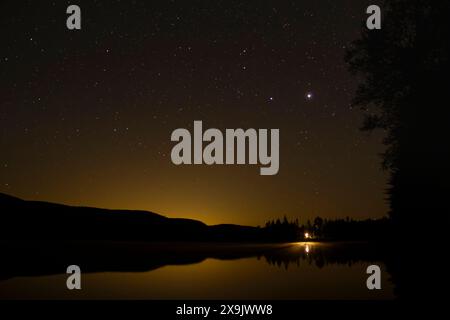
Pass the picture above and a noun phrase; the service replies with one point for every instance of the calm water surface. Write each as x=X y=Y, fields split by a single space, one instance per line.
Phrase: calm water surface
x=205 y=271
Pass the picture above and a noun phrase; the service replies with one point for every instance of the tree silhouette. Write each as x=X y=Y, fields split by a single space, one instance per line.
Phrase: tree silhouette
x=404 y=69
x=318 y=224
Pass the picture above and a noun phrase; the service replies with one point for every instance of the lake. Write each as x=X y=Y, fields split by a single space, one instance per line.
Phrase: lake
x=306 y=270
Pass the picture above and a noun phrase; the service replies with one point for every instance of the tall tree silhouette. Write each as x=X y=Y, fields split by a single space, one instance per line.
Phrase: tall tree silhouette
x=404 y=69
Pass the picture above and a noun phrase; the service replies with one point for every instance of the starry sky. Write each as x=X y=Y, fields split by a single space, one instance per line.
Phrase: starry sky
x=86 y=116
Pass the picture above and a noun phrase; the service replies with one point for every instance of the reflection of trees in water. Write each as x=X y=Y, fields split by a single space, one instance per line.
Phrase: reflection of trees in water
x=321 y=255
x=133 y=257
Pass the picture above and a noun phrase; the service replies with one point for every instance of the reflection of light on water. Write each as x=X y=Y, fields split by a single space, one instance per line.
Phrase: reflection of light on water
x=310 y=244
x=307 y=247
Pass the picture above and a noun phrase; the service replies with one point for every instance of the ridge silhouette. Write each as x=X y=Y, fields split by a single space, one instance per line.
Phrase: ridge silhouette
x=31 y=220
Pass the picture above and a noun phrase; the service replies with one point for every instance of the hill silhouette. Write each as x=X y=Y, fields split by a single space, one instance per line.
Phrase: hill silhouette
x=36 y=220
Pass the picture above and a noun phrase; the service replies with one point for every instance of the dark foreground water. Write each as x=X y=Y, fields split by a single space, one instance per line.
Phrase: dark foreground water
x=194 y=271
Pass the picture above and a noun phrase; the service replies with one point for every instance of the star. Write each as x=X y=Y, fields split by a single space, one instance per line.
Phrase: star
x=309 y=96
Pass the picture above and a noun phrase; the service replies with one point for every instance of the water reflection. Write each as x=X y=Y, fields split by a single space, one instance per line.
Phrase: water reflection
x=304 y=270
x=323 y=254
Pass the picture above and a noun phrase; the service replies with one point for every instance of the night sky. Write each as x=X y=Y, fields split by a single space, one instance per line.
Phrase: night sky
x=86 y=116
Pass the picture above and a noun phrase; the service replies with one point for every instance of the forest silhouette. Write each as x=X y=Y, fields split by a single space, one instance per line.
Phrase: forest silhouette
x=35 y=220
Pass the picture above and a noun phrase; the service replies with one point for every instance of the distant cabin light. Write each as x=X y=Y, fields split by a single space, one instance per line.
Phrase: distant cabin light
x=306 y=235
